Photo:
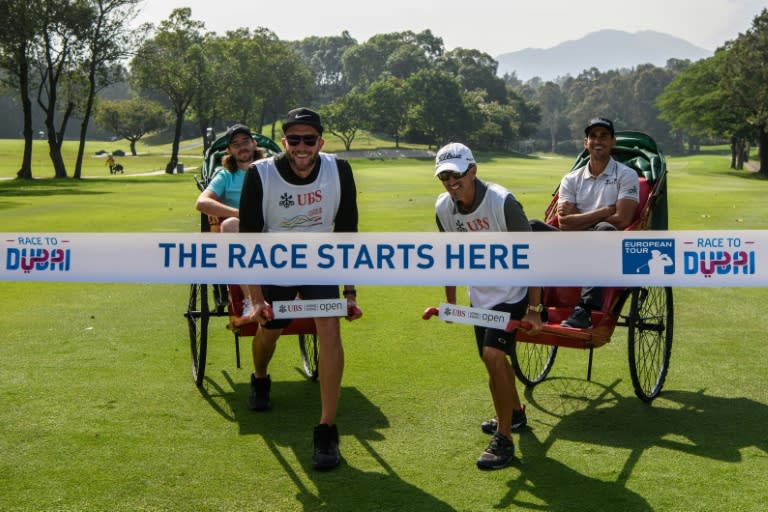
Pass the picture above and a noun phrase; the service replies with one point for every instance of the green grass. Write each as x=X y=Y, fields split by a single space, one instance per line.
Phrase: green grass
x=99 y=411
x=149 y=158
x=713 y=196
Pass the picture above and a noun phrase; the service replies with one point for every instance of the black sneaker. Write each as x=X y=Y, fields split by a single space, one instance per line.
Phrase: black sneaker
x=581 y=318
x=519 y=420
x=326 y=443
x=499 y=454
x=259 y=399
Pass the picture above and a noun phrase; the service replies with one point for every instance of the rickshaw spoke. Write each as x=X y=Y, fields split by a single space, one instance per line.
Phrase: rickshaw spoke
x=650 y=340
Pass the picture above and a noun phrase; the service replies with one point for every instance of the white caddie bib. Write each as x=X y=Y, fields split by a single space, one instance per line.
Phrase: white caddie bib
x=488 y=216
x=301 y=208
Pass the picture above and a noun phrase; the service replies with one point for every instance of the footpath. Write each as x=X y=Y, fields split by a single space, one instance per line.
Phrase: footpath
x=752 y=166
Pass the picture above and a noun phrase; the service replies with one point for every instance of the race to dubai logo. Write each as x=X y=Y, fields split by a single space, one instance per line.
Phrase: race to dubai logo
x=30 y=254
x=719 y=256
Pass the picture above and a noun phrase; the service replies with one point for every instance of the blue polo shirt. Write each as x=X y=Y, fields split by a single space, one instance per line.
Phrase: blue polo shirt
x=227 y=186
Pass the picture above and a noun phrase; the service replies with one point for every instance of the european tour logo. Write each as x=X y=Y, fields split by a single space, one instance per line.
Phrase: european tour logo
x=654 y=257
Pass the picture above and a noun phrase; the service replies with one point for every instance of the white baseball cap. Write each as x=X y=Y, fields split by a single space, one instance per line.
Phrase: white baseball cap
x=453 y=157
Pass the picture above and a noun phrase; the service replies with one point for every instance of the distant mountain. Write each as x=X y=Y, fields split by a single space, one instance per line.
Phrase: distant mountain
x=604 y=50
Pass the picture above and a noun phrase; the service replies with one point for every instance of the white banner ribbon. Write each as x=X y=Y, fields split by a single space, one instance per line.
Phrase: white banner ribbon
x=647 y=258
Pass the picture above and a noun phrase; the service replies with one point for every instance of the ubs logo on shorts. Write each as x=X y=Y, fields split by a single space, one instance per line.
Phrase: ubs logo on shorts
x=653 y=257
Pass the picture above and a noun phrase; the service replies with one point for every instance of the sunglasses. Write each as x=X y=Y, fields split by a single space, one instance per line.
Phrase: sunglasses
x=295 y=140
x=446 y=175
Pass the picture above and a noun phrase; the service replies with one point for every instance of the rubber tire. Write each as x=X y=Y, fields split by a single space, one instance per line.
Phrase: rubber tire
x=197 y=320
x=532 y=361
x=650 y=328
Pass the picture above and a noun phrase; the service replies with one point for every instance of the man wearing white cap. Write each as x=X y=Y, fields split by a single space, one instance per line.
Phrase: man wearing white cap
x=469 y=204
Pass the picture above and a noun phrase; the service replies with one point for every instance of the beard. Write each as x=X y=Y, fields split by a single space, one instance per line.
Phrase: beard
x=302 y=165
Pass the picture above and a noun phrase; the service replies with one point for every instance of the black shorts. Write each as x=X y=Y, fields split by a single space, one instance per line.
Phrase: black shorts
x=499 y=338
x=308 y=292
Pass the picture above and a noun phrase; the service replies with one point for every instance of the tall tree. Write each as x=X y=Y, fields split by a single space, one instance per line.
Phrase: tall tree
x=172 y=63
x=344 y=117
x=629 y=97
x=63 y=25
x=399 y=53
x=586 y=97
x=289 y=83
x=106 y=41
x=695 y=104
x=388 y=101
x=245 y=58
x=405 y=60
x=131 y=119
x=16 y=44
x=528 y=112
x=552 y=105
x=496 y=124
x=647 y=82
x=438 y=111
x=476 y=70
x=208 y=99
x=747 y=80
x=323 y=56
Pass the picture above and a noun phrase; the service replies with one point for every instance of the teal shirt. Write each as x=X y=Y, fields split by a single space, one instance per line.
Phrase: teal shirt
x=227 y=186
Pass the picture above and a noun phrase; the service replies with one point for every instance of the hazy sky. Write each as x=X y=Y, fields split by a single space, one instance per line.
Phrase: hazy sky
x=492 y=26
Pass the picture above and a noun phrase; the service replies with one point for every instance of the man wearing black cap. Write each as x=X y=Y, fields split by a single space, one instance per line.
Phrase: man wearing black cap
x=301 y=190
x=600 y=196
x=221 y=198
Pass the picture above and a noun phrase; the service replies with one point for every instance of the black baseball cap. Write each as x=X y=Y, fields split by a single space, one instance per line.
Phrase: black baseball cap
x=303 y=115
x=235 y=129
x=599 y=121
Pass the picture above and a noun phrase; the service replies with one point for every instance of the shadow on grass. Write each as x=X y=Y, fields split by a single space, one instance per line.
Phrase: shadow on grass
x=562 y=488
x=36 y=188
x=695 y=417
x=589 y=413
x=69 y=187
x=746 y=174
x=69 y=183
x=711 y=150
x=289 y=425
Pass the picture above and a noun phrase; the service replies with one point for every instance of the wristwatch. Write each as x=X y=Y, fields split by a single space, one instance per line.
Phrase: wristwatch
x=536 y=309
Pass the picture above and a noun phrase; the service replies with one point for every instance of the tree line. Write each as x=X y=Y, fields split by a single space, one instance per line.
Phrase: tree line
x=404 y=86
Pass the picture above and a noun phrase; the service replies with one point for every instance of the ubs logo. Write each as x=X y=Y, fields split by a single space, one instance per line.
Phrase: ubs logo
x=310 y=198
x=482 y=224
x=286 y=200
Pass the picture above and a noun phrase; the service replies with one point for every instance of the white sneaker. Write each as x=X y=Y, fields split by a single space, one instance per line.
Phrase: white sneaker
x=247 y=308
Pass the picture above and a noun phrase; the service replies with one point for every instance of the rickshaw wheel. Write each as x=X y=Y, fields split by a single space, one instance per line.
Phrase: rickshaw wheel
x=197 y=320
x=309 y=355
x=532 y=361
x=650 y=339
